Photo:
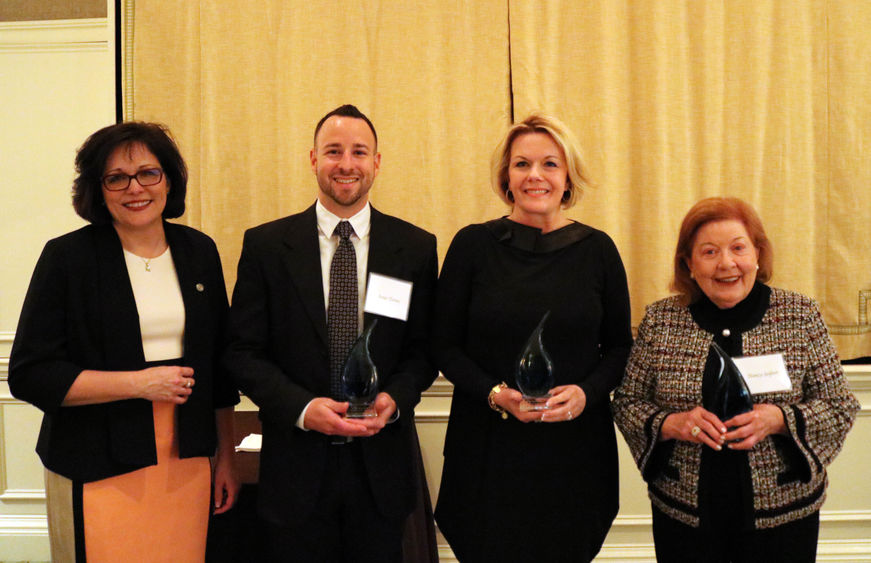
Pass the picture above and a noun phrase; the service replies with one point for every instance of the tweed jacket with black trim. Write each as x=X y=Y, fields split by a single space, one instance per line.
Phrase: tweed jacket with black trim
x=664 y=376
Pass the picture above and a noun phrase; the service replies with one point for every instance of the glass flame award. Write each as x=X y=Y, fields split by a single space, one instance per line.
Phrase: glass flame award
x=731 y=394
x=534 y=373
x=360 y=377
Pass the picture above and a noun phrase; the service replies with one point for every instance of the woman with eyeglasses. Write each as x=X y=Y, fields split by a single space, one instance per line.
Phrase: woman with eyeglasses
x=117 y=344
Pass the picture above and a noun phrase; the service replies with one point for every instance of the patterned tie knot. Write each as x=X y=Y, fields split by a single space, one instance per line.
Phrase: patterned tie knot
x=344 y=230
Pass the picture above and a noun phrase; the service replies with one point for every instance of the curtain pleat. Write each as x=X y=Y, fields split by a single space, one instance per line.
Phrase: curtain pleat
x=672 y=101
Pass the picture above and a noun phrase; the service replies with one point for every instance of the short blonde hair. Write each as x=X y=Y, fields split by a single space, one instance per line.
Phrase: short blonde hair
x=578 y=177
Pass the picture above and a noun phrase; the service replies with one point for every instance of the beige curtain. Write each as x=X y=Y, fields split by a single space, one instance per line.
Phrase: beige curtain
x=766 y=100
x=242 y=85
x=673 y=101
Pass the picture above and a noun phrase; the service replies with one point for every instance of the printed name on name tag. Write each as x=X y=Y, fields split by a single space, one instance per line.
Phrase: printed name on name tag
x=764 y=374
x=389 y=297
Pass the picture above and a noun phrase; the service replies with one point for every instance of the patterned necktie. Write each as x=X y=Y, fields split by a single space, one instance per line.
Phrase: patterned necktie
x=342 y=310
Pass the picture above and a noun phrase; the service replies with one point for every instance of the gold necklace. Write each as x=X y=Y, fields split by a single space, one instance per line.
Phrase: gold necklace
x=147 y=261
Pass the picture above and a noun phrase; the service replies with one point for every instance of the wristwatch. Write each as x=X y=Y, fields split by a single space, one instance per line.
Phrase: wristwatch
x=490 y=399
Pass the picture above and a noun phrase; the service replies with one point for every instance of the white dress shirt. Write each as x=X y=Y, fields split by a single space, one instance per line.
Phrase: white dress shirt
x=328 y=244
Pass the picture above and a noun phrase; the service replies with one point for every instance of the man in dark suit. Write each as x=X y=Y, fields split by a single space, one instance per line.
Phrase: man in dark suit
x=332 y=488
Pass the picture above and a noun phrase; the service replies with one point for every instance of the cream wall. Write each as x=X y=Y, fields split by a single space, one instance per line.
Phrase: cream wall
x=56 y=87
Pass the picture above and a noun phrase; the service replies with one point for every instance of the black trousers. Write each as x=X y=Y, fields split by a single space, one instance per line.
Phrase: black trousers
x=794 y=542
x=345 y=526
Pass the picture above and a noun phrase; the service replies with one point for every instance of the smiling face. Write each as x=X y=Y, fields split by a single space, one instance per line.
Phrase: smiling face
x=345 y=162
x=137 y=207
x=537 y=176
x=724 y=262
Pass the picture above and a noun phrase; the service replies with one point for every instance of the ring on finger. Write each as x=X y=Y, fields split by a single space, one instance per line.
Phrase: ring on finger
x=695 y=431
x=570 y=415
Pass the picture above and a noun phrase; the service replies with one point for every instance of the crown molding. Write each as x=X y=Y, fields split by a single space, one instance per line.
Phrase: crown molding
x=55 y=36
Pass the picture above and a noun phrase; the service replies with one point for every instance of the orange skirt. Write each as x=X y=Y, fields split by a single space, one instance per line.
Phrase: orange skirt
x=157 y=513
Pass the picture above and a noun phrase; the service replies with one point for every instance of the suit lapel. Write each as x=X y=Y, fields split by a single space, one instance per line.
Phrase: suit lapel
x=120 y=320
x=189 y=279
x=303 y=265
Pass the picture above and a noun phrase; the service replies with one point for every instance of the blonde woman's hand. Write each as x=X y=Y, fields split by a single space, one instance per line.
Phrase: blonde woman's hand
x=567 y=402
x=512 y=401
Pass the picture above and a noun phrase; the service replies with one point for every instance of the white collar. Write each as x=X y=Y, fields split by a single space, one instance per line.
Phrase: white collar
x=327 y=220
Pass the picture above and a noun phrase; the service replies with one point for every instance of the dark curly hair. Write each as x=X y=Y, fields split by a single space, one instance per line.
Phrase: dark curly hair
x=91 y=165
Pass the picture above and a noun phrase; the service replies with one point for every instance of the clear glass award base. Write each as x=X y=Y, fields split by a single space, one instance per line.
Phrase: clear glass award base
x=535 y=403
x=363 y=410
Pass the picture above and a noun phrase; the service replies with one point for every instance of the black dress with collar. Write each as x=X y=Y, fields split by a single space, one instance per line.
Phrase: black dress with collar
x=512 y=491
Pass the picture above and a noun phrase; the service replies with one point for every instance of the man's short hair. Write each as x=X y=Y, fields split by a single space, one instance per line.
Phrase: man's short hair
x=346 y=110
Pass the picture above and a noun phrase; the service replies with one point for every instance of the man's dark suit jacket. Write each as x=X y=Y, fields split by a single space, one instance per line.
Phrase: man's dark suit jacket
x=80 y=313
x=278 y=355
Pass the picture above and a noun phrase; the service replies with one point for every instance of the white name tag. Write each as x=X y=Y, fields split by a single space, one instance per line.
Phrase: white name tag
x=388 y=297
x=764 y=374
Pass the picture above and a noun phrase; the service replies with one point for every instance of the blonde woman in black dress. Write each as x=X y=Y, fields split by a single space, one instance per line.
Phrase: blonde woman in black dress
x=522 y=485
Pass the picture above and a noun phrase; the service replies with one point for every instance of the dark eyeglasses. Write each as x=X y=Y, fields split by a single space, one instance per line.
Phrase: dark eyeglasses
x=120 y=181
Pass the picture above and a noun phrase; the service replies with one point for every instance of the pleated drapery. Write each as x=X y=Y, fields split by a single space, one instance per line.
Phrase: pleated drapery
x=673 y=101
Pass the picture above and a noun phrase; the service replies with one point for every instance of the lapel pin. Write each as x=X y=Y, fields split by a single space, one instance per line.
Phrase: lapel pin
x=200 y=287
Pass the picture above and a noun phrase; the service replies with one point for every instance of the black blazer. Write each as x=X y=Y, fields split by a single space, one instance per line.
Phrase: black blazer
x=80 y=313
x=278 y=355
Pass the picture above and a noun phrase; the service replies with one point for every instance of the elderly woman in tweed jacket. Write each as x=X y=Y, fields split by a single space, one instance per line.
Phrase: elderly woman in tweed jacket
x=749 y=488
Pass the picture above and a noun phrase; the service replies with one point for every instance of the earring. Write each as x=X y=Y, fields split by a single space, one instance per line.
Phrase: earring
x=757 y=266
x=692 y=276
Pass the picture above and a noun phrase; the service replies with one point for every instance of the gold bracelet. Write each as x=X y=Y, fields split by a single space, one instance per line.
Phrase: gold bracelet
x=491 y=399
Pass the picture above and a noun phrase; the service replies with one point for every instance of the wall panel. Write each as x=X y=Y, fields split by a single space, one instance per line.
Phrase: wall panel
x=57 y=84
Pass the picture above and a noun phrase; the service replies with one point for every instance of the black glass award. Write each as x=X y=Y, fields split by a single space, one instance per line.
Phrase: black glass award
x=534 y=372
x=360 y=377
x=731 y=394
